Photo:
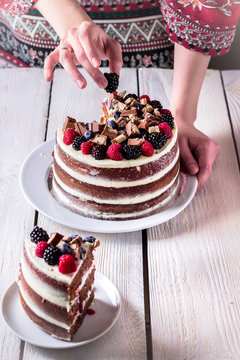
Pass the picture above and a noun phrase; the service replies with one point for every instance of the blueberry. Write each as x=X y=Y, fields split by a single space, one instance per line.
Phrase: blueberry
x=86 y=125
x=116 y=115
x=65 y=248
x=113 y=124
x=88 y=134
x=139 y=109
x=89 y=239
x=73 y=236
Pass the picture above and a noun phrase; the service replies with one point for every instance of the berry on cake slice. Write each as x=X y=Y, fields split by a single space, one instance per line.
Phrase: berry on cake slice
x=145 y=97
x=165 y=128
x=86 y=148
x=168 y=118
x=113 y=80
x=99 y=152
x=147 y=148
x=156 y=104
x=38 y=234
x=157 y=139
x=51 y=255
x=69 y=136
x=131 y=152
x=66 y=264
x=77 y=142
x=40 y=248
x=114 y=152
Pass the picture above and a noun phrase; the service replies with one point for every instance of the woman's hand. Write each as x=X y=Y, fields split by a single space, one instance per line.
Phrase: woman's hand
x=85 y=45
x=198 y=152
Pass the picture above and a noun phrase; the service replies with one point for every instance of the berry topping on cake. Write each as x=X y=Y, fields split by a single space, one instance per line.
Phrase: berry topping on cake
x=145 y=97
x=51 y=255
x=91 y=312
x=168 y=118
x=66 y=264
x=157 y=139
x=139 y=109
x=113 y=124
x=147 y=149
x=99 y=152
x=113 y=80
x=77 y=142
x=88 y=134
x=165 y=111
x=114 y=152
x=131 y=152
x=89 y=239
x=40 y=248
x=116 y=115
x=66 y=249
x=156 y=104
x=38 y=234
x=165 y=128
x=86 y=148
x=69 y=136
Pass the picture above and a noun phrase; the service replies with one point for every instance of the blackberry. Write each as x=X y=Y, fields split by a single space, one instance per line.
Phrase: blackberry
x=38 y=234
x=134 y=96
x=143 y=132
x=158 y=140
x=51 y=255
x=156 y=104
x=77 y=142
x=168 y=118
x=131 y=152
x=99 y=152
x=113 y=80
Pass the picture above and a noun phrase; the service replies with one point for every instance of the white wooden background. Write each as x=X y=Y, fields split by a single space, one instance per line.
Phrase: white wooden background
x=188 y=307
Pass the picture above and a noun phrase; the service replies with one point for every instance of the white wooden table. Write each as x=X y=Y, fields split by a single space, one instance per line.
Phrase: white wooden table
x=179 y=281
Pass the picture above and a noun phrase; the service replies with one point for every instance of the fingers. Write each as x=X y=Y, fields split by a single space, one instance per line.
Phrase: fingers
x=49 y=63
x=114 y=55
x=88 y=38
x=82 y=59
x=207 y=156
x=189 y=162
x=66 y=59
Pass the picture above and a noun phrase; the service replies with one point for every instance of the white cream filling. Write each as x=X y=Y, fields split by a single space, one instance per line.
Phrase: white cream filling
x=111 y=183
x=39 y=312
x=127 y=200
x=108 y=163
x=41 y=265
x=40 y=287
x=88 y=212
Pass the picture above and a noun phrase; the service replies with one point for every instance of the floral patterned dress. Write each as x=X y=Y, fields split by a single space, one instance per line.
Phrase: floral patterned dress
x=145 y=29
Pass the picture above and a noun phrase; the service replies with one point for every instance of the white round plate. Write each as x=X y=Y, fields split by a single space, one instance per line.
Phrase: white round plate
x=107 y=306
x=33 y=182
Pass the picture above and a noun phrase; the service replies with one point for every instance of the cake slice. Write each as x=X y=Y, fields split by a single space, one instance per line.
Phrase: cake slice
x=56 y=281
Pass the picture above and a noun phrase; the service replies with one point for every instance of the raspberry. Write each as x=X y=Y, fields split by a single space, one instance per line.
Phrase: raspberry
x=114 y=152
x=165 y=128
x=40 y=248
x=165 y=111
x=147 y=148
x=86 y=148
x=157 y=139
x=51 y=255
x=77 y=142
x=99 y=152
x=113 y=80
x=38 y=234
x=145 y=97
x=66 y=264
x=131 y=152
x=69 y=136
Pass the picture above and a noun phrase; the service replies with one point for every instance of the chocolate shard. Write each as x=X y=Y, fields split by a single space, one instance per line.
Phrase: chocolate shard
x=104 y=118
x=120 y=138
x=135 y=141
x=67 y=238
x=153 y=123
x=120 y=106
x=69 y=123
x=54 y=239
x=95 y=126
x=143 y=125
x=143 y=101
x=61 y=242
x=80 y=128
x=109 y=132
x=149 y=117
x=153 y=129
x=75 y=246
x=157 y=113
x=129 y=112
x=77 y=239
x=100 y=139
x=132 y=129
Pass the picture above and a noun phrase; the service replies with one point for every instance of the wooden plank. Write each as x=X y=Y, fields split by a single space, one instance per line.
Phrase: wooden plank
x=231 y=79
x=194 y=258
x=119 y=256
x=23 y=108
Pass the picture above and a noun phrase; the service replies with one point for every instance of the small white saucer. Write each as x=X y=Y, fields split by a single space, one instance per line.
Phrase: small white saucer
x=34 y=185
x=107 y=306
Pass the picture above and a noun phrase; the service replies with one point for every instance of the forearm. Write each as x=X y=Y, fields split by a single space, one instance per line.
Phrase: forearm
x=189 y=71
x=62 y=14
